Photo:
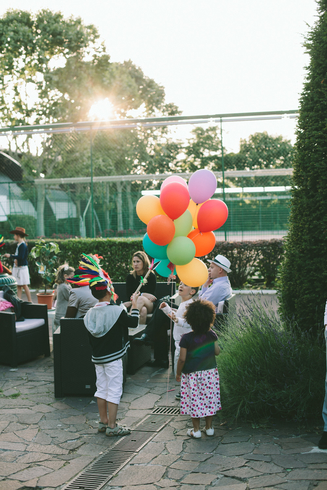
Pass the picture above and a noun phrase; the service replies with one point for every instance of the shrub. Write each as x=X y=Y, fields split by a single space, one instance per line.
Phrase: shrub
x=304 y=272
x=268 y=370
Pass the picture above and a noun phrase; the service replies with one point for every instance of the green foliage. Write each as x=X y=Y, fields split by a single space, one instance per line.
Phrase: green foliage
x=304 y=272
x=248 y=259
x=269 y=369
x=45 y=256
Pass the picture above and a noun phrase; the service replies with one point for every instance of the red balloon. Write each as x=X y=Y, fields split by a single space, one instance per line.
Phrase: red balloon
x=204 y=242
x=212 y=215
x=174 y=199
x=161 y=229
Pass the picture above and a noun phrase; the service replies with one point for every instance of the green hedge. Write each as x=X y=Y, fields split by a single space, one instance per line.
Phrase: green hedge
x=260 y=259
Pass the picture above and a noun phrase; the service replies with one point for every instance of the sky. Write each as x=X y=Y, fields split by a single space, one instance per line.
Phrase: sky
x=213 y=56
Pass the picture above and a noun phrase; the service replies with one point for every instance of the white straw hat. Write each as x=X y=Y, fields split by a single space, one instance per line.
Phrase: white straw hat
x=222 y=262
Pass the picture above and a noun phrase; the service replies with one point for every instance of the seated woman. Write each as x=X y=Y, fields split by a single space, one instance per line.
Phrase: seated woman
x=141 y=265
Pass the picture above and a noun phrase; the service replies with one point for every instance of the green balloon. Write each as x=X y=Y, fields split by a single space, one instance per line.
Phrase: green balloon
x=181 y=250
x=183 y=224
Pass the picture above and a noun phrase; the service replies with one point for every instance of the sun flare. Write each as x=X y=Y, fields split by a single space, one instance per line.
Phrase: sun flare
x=101 y=110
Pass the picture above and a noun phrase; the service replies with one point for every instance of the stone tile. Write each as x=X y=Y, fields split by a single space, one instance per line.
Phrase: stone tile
x=176 y=474
x=129 y=397
x=71 y=445
x=31 y=473
x=12 y=446
x=264 y=467
x=74 y=420
x=199 y=479
x=10 y=456
x=3 y=425
x=186 y=465
x=203 y=445
x=60 y=406
x=257 y=457
x=31 y=483
x=137 y=414
x=140 y=487
x=66 y=473
x=265 y=481
x=46 y=449
x=192 y=487
x=10 y=485
x=321 y=486
x=235 y=449
x=29 y=418
x=174 y=447
x=262 y=439
x=33 y=458
x=225 y=482
x=236 y=486
x=287 y=461
x=43 y=408
x=226 y=462
x=305 y=474
x=133 y=388
x=164 y=459
x=164 y=483
x=317 y=466
x=312 y=457
x=243 y=472
x=295 y=485
x=54 y=465
x=147 y=453
x=166 y=434
x=42 y=438
x=229 y=438
x=27 y=434
x=195 y=457
x=138 y=475
x=267 y=449
x=9 y=437
x=7 y=469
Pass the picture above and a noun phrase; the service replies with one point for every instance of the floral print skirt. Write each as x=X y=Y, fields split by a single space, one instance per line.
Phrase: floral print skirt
x=200 y=393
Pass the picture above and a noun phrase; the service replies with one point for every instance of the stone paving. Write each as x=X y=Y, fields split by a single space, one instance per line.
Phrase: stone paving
x=45 y=442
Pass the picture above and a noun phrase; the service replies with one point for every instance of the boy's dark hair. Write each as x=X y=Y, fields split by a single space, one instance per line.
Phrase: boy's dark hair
x=98 y=294
x=200 y=314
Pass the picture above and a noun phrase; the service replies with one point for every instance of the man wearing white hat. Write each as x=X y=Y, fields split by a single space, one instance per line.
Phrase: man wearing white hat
x=217 y=288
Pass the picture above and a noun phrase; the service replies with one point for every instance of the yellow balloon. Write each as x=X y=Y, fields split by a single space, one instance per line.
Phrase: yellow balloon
x=147 y=207
x=194 y=274
x=194 y=209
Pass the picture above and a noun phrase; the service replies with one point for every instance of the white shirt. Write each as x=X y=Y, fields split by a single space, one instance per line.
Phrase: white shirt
x=181 y=326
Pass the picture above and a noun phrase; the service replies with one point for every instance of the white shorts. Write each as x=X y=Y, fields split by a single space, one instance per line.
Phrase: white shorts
x=109 y=381
x=21 y=274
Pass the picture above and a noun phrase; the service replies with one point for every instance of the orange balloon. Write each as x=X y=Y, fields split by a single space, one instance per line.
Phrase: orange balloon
x=161 y=230
x=204 y=242
x=147 y=207
x=194 y=209
x=194 y=274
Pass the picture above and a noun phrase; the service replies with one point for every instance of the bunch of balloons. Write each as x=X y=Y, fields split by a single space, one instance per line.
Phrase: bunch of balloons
x=180 y=225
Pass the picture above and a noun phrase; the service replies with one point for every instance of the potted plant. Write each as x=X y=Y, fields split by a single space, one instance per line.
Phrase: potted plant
x=45 y=255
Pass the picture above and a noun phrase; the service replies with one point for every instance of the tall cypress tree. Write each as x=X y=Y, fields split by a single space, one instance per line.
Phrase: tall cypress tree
x=304 y=272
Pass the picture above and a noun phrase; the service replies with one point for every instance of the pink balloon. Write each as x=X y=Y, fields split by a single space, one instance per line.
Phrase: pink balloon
x=202 y=185
x=174 y=199
x=173 y=178
x=212 y=215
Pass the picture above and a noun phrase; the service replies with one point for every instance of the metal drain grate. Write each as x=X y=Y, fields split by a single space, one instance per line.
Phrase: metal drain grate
x=166 y=411
x=98 y=474
x=153 y=423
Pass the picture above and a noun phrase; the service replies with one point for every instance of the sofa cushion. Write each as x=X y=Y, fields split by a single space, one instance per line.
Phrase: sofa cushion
x=29 y=324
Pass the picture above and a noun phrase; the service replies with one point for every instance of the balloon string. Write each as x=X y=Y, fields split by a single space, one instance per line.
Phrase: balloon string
x=170 y=343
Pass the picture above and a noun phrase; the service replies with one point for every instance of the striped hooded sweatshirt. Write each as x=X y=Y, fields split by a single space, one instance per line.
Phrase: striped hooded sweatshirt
x=107 y=325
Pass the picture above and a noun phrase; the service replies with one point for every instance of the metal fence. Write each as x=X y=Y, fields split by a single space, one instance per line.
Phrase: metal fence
x=84 y=179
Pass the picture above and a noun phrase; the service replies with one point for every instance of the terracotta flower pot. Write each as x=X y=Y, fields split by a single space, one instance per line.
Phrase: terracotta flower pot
x=45 y=299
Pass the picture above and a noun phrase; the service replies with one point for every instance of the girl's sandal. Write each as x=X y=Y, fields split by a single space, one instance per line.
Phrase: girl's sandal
x=194 y=435
x=102 y=427
x=210 y=432
x=119 y=430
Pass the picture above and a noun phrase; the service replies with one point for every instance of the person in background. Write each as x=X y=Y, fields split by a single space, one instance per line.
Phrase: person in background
x=107 y=325
x=197 y=368
x=322 y=444
x=141 y=265
x=64 y=272
x=20 y=268
x=217 y=288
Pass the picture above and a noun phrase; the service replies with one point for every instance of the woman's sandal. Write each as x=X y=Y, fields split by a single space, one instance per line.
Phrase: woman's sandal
x=195 y=435
x=102 y=427
x=119 y=430
x=210 y=432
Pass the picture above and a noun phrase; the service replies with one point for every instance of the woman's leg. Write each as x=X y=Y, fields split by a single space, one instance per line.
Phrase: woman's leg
x=27 y=292
x=145 y=306
x=19 y=291
x=209 y=422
